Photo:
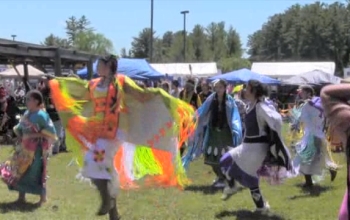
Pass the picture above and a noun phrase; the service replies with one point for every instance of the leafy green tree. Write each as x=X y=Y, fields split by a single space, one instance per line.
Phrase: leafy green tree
x=81 y=36
x=312 y=32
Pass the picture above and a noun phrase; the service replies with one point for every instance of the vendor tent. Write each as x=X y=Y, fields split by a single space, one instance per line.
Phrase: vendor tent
x=32 y=72
x=134 y=68
x=243 y=76
x=315 y=77
x=187 y=69
x=285 y=70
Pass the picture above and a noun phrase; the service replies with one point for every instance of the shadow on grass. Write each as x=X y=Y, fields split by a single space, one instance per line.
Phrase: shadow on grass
x=248 y=215
x=207 y=189
x=6 y=207
x=314 y=191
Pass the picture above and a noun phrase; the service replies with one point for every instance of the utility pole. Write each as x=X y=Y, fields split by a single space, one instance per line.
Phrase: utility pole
x=184 y=32
x=151 y=37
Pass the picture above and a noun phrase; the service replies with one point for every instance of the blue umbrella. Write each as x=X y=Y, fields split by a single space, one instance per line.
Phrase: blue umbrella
x=243 y=76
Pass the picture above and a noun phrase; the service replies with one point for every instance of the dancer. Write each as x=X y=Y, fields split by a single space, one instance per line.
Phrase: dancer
x=115 y=113
x=219 y=129
x=262 y=142
x=335 y=99
x=26 y=171
x=312 y=149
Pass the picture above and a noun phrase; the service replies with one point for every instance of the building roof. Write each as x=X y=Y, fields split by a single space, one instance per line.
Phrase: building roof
x=184 y=69
x=21 y=50
x=288 y=69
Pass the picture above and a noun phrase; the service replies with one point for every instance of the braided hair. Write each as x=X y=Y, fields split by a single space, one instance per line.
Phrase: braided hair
x=112 y=61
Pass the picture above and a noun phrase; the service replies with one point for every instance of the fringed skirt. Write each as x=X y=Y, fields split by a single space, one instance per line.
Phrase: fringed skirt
x=243 y=162
x=25 y=172
x=219 y=142
x=310 y=156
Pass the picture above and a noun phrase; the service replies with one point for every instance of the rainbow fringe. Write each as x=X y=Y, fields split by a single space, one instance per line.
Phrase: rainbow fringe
x=156 y=167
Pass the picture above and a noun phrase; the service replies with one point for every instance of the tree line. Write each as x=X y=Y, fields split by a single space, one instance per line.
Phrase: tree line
x=312 y=32
x=214 y=42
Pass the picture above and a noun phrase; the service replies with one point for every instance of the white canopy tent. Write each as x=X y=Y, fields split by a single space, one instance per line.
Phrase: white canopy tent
x=284 y=70
x=184 y=69
x=11 y=73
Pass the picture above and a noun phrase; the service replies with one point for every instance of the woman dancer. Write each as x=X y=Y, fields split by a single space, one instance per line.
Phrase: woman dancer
x=262 y=138
x=219 y=128
x=26 y=171
x=335 y=99
x=117 y=110
x=312 y=150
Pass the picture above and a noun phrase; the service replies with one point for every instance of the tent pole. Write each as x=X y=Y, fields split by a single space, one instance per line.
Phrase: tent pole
x=26 y=76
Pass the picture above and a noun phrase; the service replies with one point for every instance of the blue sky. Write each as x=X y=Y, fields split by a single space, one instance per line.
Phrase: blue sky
x=120 y=20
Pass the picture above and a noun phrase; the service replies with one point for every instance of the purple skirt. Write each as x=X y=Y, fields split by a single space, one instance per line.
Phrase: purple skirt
x=232 y=171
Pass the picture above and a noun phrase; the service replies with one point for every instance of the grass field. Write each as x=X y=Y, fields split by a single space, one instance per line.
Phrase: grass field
x=69 y=199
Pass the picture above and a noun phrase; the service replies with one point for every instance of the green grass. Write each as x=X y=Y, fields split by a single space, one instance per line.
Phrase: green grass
x=69 y=199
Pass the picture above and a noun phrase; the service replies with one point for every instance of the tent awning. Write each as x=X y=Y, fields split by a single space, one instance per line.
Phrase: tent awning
x=315 y=77
x=187 y=69
x=32 y=72
x=285 y=70
x=243 y=76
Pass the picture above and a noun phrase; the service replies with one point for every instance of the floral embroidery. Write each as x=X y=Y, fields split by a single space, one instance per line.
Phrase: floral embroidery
x=99 y=155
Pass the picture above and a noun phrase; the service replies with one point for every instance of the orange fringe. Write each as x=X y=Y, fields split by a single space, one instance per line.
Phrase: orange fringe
x=168 y=178
x=125 y=182
x=62 y=102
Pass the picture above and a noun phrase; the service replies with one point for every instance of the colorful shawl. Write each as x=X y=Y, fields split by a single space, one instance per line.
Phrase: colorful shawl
x=148 y=129
x=201 y=134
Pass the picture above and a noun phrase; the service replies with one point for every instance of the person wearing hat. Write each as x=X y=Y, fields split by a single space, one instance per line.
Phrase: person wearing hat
x=311 y=151
x=126 y=132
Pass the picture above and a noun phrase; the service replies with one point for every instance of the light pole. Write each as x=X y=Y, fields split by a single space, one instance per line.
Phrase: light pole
x=184 y=13
x=151 y=37
x=13 y=37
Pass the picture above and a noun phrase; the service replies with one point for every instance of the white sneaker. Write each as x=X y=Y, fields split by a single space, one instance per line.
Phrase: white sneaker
x=228 y=192
x=218 y=183
x=266 y=208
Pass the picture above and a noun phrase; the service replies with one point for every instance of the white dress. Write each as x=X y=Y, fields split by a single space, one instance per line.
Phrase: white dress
x=314 y=139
